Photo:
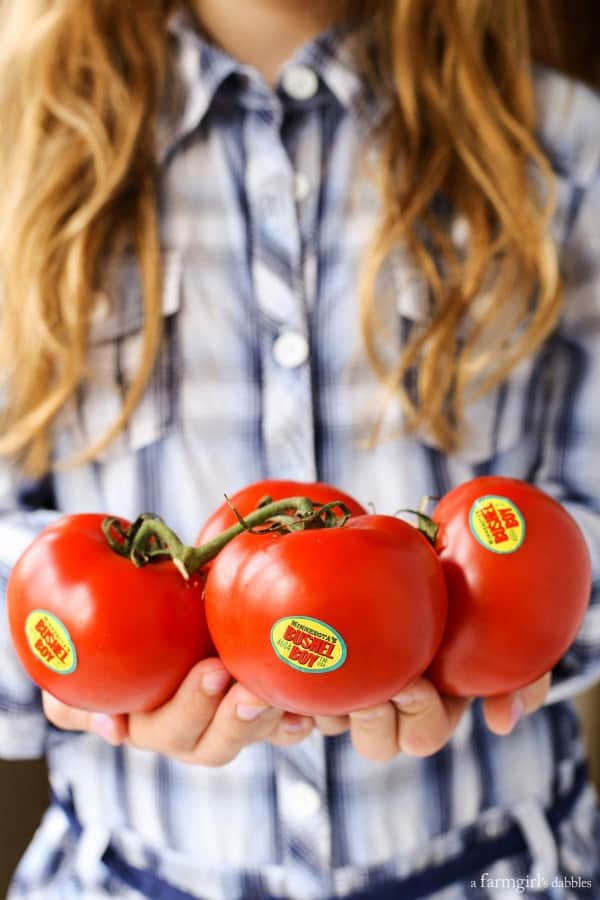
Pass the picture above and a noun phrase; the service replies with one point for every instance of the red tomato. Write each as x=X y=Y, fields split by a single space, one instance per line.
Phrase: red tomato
x=330 y=620
x=519 y=579
x=249 y=497
x=97 y=632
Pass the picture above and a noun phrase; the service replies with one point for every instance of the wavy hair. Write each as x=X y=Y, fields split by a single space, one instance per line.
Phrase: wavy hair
x=81 y=83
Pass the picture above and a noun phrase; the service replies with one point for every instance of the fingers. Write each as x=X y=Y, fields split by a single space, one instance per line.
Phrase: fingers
x=203 y=723
x=110 y=728
x=332 y=725
x=418 y=722
x=240 y=719
x=534 y=695
x=177 y=726
x=502 y=713
x=291 y=730
x=374 y=732
x=426 y=720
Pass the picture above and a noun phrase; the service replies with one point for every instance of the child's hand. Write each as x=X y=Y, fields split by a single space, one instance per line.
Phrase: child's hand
x=421 y=721
x=206 y=722
x=504 y=711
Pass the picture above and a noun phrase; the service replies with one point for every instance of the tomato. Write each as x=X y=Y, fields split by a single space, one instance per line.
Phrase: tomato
x=97 y=632
x=328 y=620
x=247 y=500
x=519 y=579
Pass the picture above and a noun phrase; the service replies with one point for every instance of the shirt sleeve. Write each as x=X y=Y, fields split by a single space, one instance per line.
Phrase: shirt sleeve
x=569 y=466
x=24 y=729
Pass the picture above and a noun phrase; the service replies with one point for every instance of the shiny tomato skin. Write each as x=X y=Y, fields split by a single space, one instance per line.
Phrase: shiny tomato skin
x=511 y=616
x=247 y=499
x=376 y=582
x=136 y=632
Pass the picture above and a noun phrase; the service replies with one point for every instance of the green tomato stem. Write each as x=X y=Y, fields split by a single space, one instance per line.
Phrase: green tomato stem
x=149 y=537
x=425 y=524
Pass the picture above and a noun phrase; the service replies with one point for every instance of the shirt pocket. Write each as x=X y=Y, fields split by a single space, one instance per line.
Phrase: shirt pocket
x=115 y=348
x=494 y=423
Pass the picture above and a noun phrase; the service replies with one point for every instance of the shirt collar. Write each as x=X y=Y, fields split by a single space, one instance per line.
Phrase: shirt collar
x=330 y=56
x=200 y=69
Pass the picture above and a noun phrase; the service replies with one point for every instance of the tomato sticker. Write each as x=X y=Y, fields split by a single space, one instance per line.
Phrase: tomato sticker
x=497 y=524
x=308 y=645
x=50 y=641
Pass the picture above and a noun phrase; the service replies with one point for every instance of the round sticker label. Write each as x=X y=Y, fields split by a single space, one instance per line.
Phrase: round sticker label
x=497 y=524
x=50 y=641
x=307 y=644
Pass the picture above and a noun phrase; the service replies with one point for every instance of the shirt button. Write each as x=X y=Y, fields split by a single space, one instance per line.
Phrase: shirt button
x=290 y=349
x=460 y=232
x=494 y=828
x=300 y=82
x=101 y=308
x=301 y=186
x=301 y=800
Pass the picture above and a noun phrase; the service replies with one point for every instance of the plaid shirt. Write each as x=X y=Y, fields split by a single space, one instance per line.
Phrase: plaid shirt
x=265 y=211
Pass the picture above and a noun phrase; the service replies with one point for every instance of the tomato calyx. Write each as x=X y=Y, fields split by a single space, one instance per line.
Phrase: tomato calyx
x=147 y=539
x=322 y=515
x=150 y=539
x=425 y=524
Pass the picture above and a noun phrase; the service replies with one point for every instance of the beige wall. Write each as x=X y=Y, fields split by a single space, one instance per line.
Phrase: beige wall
x=23 y=798
x=589 y=707
x=23 y=791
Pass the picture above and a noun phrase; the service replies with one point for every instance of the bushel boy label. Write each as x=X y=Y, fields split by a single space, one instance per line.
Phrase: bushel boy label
x=497 y=524
x=307 y=644
x=50 y=642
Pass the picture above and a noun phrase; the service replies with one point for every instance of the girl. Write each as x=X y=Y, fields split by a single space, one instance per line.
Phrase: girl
x=344 y=241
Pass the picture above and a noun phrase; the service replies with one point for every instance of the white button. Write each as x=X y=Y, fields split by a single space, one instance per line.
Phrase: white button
x=290 y=349
x=301 y=800
x=494 y=828
x=460 y=232
x=302 y=186
x=101 y=308
x=300 y=82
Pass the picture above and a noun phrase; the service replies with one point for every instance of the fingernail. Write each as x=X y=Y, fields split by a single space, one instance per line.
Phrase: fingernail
x=407 y=698
x=366 y=714
x=517 y=711
x=214 y=682
x=247 y=713
x=294 y=727
x=103 y=726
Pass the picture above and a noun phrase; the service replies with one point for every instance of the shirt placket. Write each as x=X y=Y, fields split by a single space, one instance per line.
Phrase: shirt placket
x=304 y=820
x=278 y=280
x=275 y=193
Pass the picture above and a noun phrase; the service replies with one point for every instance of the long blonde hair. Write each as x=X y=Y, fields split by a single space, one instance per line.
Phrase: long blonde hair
x=81 y=83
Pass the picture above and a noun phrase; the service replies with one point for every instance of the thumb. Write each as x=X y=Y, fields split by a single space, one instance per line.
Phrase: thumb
x=111 y=728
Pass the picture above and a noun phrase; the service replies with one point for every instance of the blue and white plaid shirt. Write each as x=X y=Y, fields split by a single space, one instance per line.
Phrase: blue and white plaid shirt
x=265 y=213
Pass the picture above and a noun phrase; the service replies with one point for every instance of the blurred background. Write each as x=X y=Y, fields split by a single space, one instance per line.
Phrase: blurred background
x=566 y=36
